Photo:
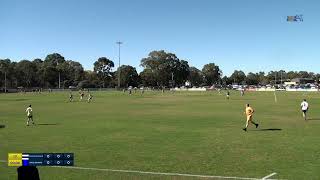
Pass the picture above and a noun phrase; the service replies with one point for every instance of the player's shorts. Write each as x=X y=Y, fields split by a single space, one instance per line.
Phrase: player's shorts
x=30 y=116
x=304 y=111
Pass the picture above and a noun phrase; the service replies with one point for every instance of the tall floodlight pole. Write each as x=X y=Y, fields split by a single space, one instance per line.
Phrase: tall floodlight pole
x=119 y=44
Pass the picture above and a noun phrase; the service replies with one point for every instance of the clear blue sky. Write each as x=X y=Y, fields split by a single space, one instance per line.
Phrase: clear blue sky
x=252 y=35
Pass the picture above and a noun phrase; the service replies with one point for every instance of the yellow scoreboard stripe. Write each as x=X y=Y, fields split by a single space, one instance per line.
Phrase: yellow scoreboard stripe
x=14 y=159
x=15 y=163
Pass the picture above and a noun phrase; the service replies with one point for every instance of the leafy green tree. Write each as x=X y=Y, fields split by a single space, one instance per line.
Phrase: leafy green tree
x=148 y=78
x=129 y=76
x=165 y=66
x=195 y=76
x=103 y=68
x=26 y=72
x=54 y=59
x=38 y=63
x=226 y=81
x=212 y=73
x=75 y=73
x=238 y=77
x=6 y=72
x=53 y=67
x=252 y=78
x=90 y=80
x=181 y=72
x=292 y=74
x=262 y=79
x=304 y=74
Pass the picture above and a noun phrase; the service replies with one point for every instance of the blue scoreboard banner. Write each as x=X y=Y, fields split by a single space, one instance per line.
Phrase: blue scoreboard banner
x=40 y=159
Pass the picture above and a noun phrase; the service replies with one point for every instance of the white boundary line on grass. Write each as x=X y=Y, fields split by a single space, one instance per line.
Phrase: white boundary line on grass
x=156 y=173
x=159 y=173
x=3 y=161
x=268 y=176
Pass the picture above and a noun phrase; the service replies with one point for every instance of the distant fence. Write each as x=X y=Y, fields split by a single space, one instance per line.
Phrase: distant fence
x=36 y=90
x=199 y=89
x=86 y=89
x=252 y=89
x=190 y=89
x=287 y=89
x=299 y=90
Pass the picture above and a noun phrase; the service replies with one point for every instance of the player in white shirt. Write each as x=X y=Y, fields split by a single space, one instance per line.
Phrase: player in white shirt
x=89 y=97
x=242 y=92
x=29 y=115
x=304 y=107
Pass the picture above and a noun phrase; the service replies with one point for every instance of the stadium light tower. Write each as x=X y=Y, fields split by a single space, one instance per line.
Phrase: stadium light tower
x=119 y=44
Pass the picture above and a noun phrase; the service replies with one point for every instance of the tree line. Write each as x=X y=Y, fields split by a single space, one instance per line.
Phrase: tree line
x=160 y=69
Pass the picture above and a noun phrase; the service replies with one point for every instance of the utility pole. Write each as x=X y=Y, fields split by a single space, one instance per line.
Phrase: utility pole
x=59 y=74
x=3 y=67
x=172 y=82
x=5 y=82
x=59 y=79
x=119 y=43
x=275 y=79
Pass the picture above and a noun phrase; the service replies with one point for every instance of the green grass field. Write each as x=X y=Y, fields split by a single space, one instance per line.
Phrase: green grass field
x=181 y=132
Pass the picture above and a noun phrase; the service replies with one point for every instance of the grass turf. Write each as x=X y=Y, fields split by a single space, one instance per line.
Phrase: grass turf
x=181 y=132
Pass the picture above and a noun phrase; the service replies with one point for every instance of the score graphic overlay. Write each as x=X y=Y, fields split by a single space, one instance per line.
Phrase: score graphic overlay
x=40 y=159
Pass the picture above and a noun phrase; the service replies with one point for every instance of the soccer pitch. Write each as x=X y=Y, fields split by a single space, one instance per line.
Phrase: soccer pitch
x=183 y=132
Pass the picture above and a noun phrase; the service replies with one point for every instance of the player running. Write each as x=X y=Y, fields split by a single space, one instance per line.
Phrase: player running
x=81 y=95
x=130 y=90
x=228 y=95
x=70 y=97
x=242 y=92
x=304 y=107
x=89 y=97
x=249 y=113
x=29 y=115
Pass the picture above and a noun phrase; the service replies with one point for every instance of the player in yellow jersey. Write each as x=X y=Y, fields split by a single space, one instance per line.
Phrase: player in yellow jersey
x=249 y=113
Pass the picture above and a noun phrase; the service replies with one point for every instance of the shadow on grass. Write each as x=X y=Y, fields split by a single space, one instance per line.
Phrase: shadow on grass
x=313 y=119
x=2 y=126
x=47 y=124
x=269 y=129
